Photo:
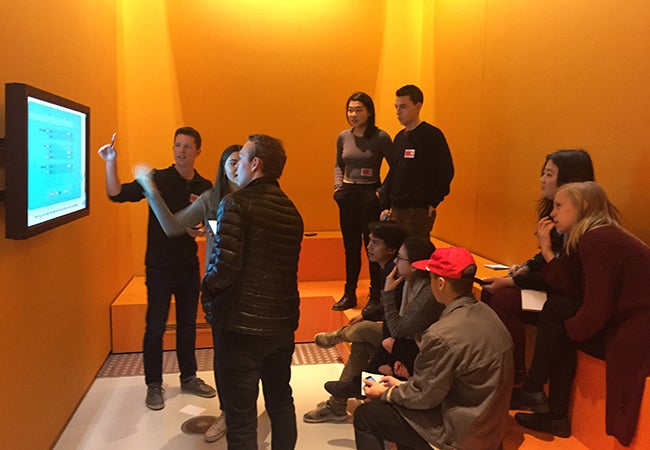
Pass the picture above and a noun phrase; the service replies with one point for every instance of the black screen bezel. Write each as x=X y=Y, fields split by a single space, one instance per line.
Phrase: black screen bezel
x=16 y=158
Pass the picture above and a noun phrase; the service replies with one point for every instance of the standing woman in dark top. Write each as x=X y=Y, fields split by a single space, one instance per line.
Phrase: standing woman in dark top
x=359 y=154
x=225 y=183
x=503 y=294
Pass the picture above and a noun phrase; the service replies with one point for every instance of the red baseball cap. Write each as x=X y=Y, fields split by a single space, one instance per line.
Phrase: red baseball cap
x=447 y=262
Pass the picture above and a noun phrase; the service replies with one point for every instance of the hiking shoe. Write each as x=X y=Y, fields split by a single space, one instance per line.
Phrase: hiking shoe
x=328 y=339
x=155 y=398
x=324 y=413
x=198 y=387
x=217 y=430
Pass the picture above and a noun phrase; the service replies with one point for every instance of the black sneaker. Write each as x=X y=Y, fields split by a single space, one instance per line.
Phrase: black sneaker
x=345 y=389
x=155 y=396
x=198 y=387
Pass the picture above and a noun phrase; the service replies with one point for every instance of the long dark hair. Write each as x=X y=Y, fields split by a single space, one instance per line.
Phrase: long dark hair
x=366 y=100
x=221 y=186
x=573 y=165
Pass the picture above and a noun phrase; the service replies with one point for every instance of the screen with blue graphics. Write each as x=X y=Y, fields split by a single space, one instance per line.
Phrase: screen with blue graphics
x=56 y=163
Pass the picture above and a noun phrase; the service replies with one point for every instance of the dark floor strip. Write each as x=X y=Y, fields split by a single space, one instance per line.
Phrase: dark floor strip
x=130 y=364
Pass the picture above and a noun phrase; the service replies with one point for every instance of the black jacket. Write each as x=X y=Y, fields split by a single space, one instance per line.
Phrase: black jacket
x=251 y=285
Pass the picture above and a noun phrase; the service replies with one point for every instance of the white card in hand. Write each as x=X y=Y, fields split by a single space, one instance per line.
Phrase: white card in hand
x=213 y=226
x=532 y=300
x=369 y=376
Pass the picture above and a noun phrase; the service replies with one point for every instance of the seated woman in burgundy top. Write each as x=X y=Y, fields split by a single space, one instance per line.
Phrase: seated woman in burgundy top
x=610 y=322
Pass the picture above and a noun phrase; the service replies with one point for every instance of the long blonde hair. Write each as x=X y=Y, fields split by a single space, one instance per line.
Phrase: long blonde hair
x=594 y=210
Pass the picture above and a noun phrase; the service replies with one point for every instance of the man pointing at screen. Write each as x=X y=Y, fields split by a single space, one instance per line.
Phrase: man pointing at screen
x=172 y=266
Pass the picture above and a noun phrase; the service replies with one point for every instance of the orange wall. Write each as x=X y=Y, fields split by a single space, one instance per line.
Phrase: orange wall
x=284 y=68
x=517 y=80
x=509 y=84
x=57 y=287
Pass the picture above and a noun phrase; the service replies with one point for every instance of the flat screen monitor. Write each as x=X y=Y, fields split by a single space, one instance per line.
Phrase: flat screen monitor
x=46 y=160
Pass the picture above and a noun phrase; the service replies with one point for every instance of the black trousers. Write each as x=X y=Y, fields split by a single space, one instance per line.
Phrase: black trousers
x=404 y=350
x=161 y=284
x=358 y=207
x=376 y=421
x=241 y=361
x=555 y=353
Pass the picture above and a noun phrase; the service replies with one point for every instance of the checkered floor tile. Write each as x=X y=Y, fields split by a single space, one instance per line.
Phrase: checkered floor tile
x=130 y=364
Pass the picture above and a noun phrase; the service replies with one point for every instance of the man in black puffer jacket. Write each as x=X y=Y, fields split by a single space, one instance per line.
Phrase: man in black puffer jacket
x=250 y=297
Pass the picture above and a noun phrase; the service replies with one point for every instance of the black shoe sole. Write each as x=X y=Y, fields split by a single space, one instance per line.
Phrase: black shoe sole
x=545 y=425
x=155 y=407
x=343 y=307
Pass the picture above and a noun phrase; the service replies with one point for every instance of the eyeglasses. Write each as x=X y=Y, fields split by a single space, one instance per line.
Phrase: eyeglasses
x=399 y=258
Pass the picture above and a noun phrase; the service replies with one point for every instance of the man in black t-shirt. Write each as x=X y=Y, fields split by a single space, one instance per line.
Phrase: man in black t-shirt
x=172 y=266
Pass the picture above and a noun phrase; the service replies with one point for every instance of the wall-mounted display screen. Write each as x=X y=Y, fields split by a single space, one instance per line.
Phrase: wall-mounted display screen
x=46 y=154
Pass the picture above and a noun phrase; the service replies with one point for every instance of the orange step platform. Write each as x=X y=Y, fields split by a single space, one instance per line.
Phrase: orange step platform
x=320 y=274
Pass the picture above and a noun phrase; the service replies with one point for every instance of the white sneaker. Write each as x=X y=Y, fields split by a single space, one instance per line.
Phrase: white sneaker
x=217 y=430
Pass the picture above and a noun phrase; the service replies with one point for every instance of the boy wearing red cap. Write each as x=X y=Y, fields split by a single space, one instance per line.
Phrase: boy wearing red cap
x=459 y=394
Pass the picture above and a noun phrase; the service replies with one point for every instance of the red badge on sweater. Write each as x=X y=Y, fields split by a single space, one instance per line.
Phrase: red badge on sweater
x=409 y=153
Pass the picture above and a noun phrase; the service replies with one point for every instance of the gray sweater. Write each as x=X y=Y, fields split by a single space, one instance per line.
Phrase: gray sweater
x=358 y=159
x=176 y=224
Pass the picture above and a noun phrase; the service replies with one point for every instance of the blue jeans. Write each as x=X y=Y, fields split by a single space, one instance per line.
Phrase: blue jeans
x=241 y=361
x=161 y=284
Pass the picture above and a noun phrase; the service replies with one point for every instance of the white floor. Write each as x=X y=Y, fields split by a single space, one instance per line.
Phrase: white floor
x=113 y=415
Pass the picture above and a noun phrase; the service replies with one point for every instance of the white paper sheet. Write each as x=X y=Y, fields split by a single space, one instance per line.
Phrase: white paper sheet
x=192 y=410
x=532 y=300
